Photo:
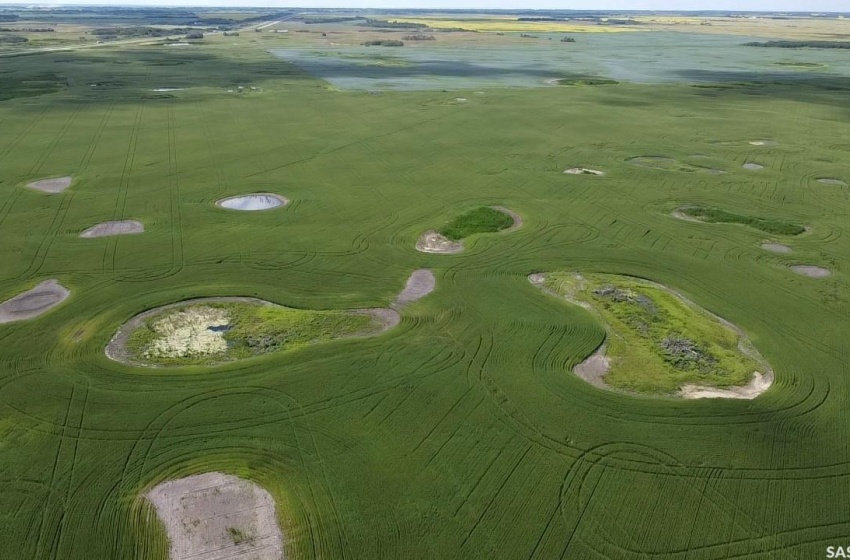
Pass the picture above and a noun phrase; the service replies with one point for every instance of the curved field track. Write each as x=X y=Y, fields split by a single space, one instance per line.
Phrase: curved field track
x=461 y=432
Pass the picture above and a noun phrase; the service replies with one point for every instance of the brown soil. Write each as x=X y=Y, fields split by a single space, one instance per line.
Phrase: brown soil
x=51 y=186
x=432 y=242
x=811 y=271
x=420 y=284
x=34 y=302
x=122 y=227
x=216 y=516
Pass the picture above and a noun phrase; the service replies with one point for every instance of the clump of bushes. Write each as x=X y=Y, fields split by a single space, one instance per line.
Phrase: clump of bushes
x=384 y=43
x=419 y=37
x=479 y=220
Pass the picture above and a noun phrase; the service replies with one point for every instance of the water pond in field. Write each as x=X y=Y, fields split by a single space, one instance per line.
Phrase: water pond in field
x=646 y=57
x=253 y=202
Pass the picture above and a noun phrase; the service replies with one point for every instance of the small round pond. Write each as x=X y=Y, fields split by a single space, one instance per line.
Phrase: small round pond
x=253 y=202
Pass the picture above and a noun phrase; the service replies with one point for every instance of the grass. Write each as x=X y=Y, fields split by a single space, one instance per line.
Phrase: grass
x=718 y=216
x=252 y=330
x=656 y=342
x=479 y=220
x=238 y=536
x=461 y=433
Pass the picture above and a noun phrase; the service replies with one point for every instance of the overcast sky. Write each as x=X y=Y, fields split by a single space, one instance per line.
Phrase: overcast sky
x=738 y=5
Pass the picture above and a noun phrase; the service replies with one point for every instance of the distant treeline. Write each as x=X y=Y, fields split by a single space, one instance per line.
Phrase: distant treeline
x=341 y=19
x=26 y=30
x=112 y=32
x=392 y=24
x=596 y=20
x=801 y=44
x=419 y=37
x=383 y=43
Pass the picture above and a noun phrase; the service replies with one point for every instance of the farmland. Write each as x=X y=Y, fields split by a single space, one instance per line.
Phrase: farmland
x=462 y=432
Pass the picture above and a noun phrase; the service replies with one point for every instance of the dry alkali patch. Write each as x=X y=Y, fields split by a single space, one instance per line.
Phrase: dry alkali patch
x=51 y=186
x=189 y=332
x=216 y=516
x=32 y=303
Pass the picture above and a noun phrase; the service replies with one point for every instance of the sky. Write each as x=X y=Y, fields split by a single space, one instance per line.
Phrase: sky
x=677 y=5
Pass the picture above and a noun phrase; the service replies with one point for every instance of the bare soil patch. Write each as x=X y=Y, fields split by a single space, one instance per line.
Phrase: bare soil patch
x=758 y=385
x=120 y=227
x=763 y=142
x=32 y=303
x=834 y=182
x=216 y=516
x=776 y=248
x=811 y=271
x=51 y=186
x=752 y=166
x=582 y=171
x=594 y=368
x=420 y=284
x=433 y=242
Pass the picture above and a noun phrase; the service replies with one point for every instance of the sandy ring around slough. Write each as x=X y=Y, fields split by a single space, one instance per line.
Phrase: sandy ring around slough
x=833 y=182
x=282 y=202
x=583 y=171
x=119 y=227
x=433 y=242
x=595 y=366
x=51 y=186
x=811 y=271
x=205 y=516
x=776 y=248
x=757 y=385
x=34 y=302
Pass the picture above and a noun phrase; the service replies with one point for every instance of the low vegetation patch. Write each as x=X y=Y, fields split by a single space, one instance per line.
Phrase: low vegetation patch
x=209 y=333
x=718 y=216
x=657 y=341
x=384 y=43
x=479 y=220
x=801 y=44
x=589 y=81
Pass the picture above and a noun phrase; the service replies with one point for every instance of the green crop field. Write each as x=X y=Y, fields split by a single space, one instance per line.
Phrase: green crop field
x=462 y=432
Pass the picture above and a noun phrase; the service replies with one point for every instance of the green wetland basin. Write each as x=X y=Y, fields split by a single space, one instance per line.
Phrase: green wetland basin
x=461 y=432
